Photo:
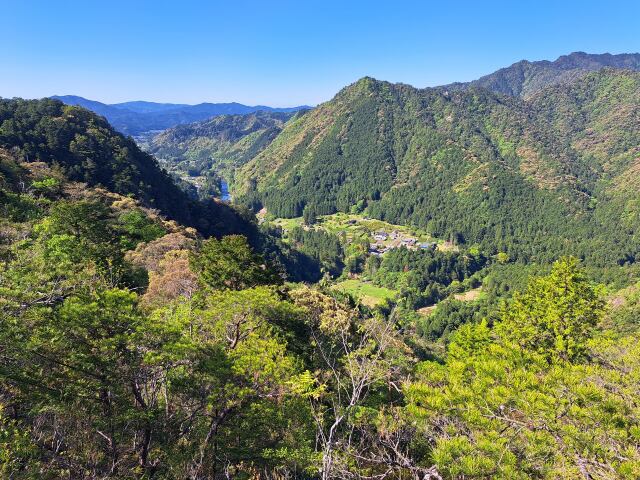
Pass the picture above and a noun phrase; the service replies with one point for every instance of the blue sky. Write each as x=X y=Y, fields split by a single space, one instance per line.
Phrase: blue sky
x=285 y=53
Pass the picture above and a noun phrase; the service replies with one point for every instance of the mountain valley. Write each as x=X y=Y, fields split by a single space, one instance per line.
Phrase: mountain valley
x=435 y=283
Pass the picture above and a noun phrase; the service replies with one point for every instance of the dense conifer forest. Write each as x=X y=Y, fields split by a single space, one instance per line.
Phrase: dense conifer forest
x=536 y=178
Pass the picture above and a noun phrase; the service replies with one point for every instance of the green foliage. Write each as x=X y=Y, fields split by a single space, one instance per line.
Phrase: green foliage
x=449 y=315
x=424 y=275
x=115 y=385
x=511 y=414
x=139 y=228
x=16 y=449
x=18 y=208
x=48 y=186
x=309 y=215
x=323 y=246
x=230 y=263
x=555 y=316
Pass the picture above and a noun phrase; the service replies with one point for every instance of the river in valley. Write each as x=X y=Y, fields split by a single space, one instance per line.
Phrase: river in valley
x=224 y=191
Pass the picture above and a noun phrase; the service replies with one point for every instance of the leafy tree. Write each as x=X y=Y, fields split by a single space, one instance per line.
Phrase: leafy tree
x=497 y=408
x=555 y=316
x=83 y=360
x=230 y=263
x=138 y=227
x=232 y=378
x=447 y=318
x=309 y=215
x=360 y=358
x=323 y=246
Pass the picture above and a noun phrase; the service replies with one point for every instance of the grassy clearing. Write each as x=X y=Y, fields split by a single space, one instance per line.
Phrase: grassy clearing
x=359 y=225
x=287 y=223
x=470 y=296
x=367 y=293
x=426 y=311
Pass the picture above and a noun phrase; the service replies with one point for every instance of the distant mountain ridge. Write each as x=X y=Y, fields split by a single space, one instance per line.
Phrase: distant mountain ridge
x=137 y=117
x=141 y=106
x=525 y=78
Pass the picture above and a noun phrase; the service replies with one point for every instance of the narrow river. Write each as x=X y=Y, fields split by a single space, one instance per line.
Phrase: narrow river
x=224 y=191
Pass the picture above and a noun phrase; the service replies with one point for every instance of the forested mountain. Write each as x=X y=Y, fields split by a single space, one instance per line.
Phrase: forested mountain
x=221 y=144
x=85 y=148
x=537 y=178
x=134 y=118
x=526 y=78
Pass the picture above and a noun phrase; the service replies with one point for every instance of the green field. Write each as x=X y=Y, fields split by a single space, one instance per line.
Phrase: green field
x=367 y=293
x=287 y=223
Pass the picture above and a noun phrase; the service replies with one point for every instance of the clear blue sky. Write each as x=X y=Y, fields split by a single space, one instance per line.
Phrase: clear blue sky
x=285 y=52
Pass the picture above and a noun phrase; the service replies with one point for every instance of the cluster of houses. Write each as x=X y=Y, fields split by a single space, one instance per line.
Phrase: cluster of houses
x=386 y=241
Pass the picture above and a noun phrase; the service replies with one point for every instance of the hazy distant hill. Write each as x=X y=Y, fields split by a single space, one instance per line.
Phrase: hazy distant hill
x=148 y=107
x=137 y=117
x=525 y=78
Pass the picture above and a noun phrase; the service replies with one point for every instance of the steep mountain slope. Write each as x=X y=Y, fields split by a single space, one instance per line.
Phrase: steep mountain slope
x=134 y=118
x=85 y=148
x=536 y=178
x=525 y=78
x=220 y=144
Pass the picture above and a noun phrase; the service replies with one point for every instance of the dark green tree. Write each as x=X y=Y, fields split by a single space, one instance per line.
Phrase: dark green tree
x=231 y=264
x=309 y=215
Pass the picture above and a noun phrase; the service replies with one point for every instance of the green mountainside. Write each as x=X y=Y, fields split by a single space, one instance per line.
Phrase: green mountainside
x=525 y=78
x=219 y=145
x=536 y=178
x=137 y=349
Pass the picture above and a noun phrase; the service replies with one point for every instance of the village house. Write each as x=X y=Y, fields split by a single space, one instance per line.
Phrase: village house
x=377 y=249
x=380 y=236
